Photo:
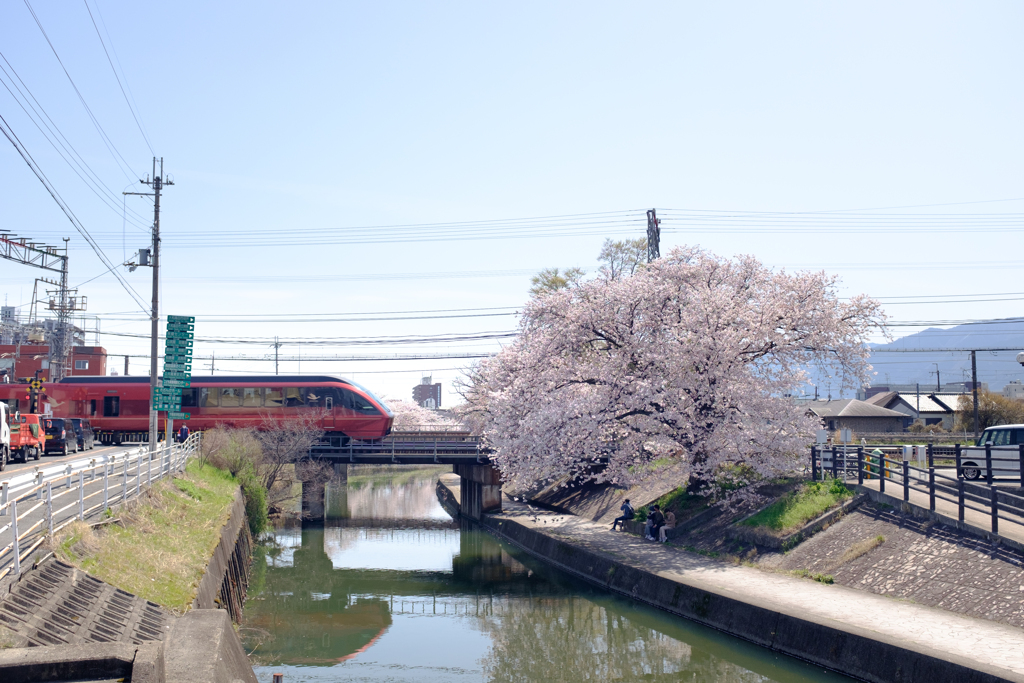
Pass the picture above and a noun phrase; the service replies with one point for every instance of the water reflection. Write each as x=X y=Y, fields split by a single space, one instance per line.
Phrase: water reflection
x=396 y=592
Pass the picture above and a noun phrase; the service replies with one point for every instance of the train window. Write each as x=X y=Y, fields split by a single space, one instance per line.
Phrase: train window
x=252 y=398
x=293 y=397
x=353 y=401
x=92 y=408
x=273 y=398
x=321 y=397
x=207 y=398
x=189 y=398
x=230 y=397
x=111 y=406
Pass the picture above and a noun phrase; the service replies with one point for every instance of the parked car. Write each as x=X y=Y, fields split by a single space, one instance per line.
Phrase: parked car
x=83 y=433
x=27 y=437
x=1005 y=441
x=58 y=435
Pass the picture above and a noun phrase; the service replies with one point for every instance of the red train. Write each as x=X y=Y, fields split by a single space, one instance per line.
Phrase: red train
x=118 y=407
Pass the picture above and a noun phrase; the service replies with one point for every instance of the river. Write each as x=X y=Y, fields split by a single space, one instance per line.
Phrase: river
x=392 y=589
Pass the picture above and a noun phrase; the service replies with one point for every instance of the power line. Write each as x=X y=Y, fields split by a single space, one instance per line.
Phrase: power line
x=119 y=84
x=9 y=133
x=103 y=134
x=40 y=118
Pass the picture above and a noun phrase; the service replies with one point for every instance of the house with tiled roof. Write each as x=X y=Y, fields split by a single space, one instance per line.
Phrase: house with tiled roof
x=860 y=416
x=930 y=408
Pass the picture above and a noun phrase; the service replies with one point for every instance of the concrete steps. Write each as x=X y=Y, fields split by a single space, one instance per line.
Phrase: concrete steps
x=57 y=604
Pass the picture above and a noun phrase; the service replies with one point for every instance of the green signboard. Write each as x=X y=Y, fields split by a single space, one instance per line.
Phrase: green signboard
x=177 y=366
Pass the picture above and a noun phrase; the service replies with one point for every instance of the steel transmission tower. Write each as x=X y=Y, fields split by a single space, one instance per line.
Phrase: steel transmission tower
x=157 y=183
x=65 y=301
x=653 y=236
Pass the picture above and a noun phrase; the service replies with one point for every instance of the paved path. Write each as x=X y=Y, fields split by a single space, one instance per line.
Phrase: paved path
x=978 y=643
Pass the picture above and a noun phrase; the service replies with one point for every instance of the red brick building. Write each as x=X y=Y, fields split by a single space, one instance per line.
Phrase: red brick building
x=24 y=361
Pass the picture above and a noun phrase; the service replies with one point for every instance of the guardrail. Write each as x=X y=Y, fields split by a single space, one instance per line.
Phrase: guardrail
x=50 y=498
x=890 y=464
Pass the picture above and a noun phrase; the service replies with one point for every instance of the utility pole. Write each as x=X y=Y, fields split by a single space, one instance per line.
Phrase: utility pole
x=157 y=183
x=938 y=378
x=974 y=389
x=277 y=348
x=653 y=236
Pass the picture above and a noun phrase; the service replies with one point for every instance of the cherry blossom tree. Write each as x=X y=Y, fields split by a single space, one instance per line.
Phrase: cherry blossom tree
x=409 y=414
x=690 y=359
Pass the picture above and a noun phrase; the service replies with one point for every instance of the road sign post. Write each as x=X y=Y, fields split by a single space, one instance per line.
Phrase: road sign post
x=177 y=375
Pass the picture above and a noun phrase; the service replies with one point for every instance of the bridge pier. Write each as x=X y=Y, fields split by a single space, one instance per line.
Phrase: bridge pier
x=340 y=473
x=313 y=504
x=480 y=490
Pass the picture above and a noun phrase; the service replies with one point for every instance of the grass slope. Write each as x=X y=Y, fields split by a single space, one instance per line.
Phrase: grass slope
x=801 y=506
x=161 y=548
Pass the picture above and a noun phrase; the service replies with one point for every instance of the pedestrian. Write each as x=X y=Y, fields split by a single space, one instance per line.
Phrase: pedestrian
x=656 y=520
x=183 y=434
x=627 y=514
x=670 y=523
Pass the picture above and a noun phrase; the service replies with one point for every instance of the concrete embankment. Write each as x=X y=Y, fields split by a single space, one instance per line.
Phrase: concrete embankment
x=227 y=575
x=68 y=625
x=863 y=635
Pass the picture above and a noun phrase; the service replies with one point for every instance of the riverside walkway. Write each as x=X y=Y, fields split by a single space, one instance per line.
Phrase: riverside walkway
x=984 y=646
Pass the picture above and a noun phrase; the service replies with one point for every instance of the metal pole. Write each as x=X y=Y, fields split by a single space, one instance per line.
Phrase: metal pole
x=994 y=498
x=106 y=489
x=960 y=497
x=14 y=531
x=974 y=390
x=906 y=481
x=49 y=507
x=81 y=495
x=860 y=465
x=6 y=485
x=931 y=489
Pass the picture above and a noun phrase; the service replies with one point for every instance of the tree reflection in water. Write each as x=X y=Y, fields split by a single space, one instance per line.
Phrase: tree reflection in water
x=575 y=639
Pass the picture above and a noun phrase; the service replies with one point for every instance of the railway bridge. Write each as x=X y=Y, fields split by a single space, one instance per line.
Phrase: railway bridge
x=480 y=481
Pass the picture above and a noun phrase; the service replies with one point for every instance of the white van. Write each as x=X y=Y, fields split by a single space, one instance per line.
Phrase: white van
x=1005 y=441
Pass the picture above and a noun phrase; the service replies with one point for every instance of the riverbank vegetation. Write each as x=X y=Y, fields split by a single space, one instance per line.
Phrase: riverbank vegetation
x=798 y=507
x=157 y=546
x=268 y=462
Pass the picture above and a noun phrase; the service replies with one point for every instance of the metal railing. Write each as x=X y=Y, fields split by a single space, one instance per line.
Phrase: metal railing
x=891 y=467
x=36 y=505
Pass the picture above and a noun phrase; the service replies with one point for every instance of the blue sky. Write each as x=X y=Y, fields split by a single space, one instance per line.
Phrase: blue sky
x=277 y=121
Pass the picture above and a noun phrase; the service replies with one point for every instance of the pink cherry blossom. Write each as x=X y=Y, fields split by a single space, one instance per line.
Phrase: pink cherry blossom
x=690 y=359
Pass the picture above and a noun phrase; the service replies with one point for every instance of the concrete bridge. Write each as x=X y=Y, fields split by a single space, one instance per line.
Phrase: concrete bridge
x=481 y=482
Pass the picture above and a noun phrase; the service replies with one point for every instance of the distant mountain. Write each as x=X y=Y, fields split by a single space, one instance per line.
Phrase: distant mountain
x=909 y=367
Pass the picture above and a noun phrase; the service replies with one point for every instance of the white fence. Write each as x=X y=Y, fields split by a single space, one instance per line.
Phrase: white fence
x=37 y=504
